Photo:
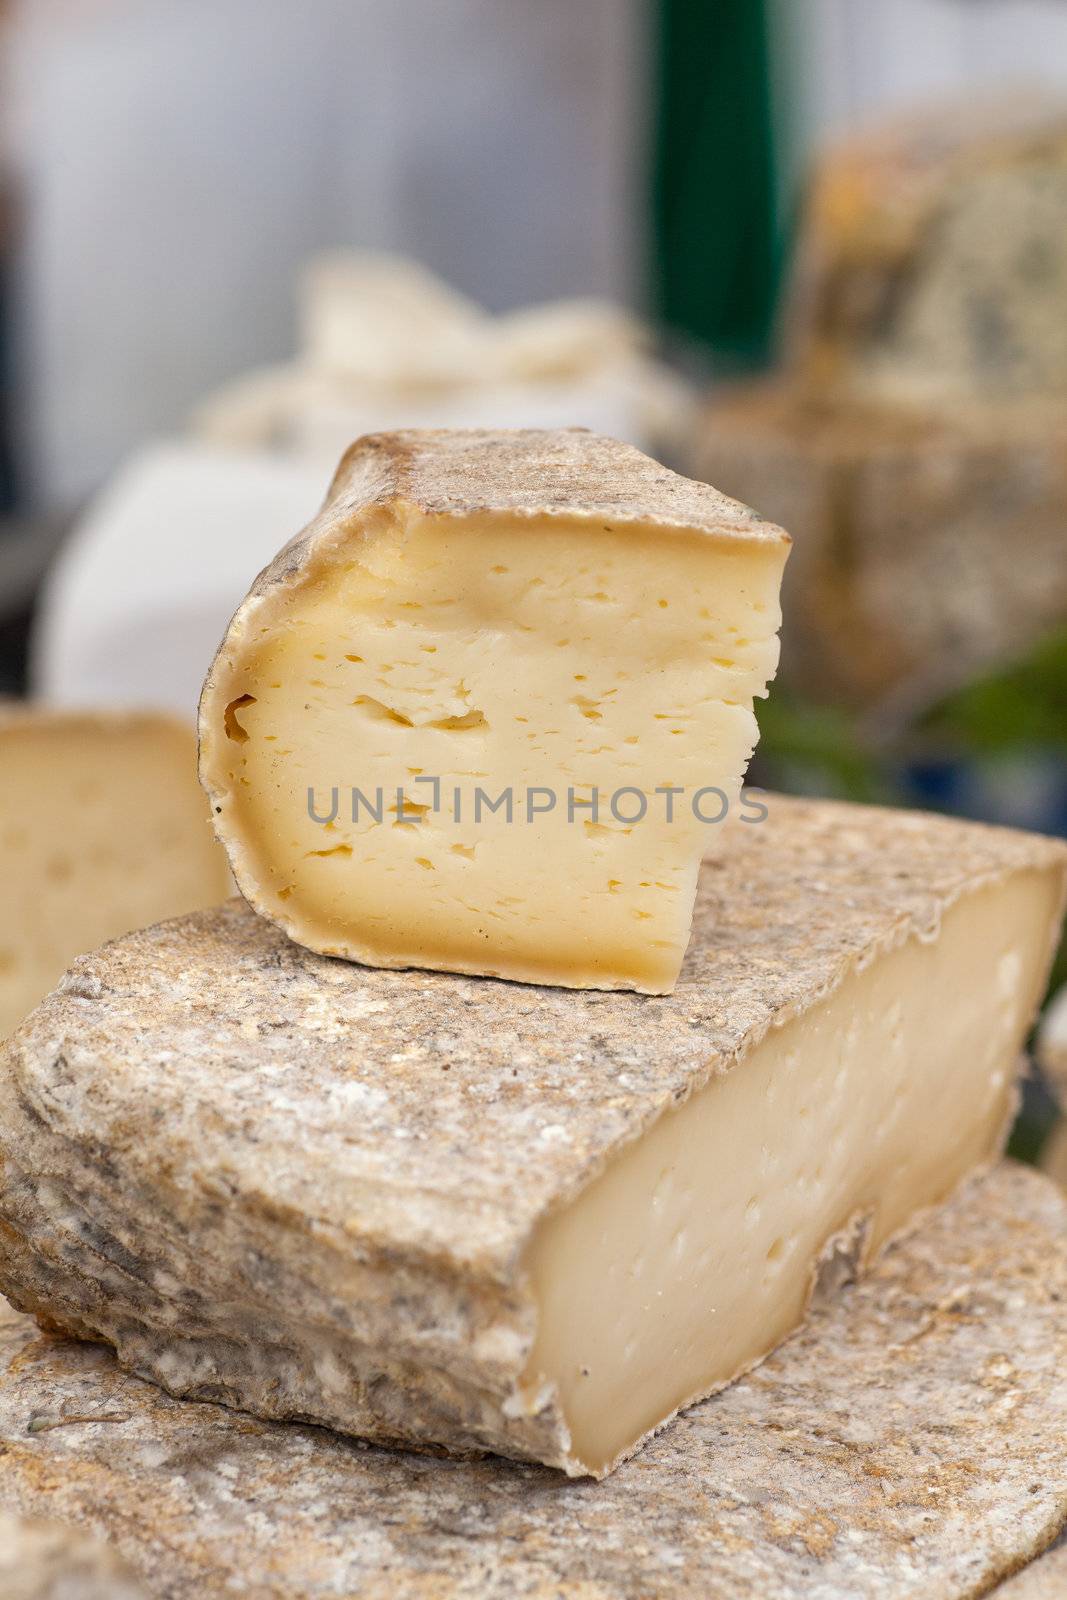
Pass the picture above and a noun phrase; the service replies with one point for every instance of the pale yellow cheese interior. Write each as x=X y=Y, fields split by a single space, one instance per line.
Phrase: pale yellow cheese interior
x=525 y=654
x=693 y=1254
x=103 y=828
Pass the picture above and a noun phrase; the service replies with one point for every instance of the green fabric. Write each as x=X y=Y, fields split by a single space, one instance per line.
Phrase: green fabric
x=716 y=246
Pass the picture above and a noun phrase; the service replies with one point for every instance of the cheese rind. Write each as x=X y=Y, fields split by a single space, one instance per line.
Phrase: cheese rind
x=442 y=730
x=495 y=1187
x=910 y=1440
x=102 y=829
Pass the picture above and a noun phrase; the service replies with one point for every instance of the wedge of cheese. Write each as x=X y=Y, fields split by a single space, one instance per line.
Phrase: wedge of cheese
x=485 y=713
x=908 y=525
x=479 y=1216
x=932 y=263
x=912 y=1440
x=102 y=829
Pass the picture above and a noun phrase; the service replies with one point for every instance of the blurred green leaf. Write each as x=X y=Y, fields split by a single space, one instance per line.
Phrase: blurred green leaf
x=1017 y=707
x=816 y=749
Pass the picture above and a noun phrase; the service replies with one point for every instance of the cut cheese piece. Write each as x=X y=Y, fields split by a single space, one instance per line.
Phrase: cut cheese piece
x=908 y=523
x=472 y=1215
x=912 y=1440
x=102 y=829
x=442 y=729
x=932 y=263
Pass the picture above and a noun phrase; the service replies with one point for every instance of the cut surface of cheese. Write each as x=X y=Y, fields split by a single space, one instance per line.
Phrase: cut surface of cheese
x=103 y=828
x=484 y=715
x=838 y=1118
x=534 y=1221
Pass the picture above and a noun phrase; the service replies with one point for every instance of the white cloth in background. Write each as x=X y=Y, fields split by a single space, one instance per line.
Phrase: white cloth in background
x=139 y=597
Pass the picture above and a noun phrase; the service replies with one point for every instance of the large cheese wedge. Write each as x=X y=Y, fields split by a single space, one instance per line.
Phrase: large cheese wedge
x=485 y=713
x=911 y=1441
x=479 y=1216
x=932 y=262
x=905 y=576
x=102 y=829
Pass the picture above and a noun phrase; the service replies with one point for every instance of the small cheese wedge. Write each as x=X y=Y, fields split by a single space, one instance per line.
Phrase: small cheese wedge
x=474 y=1215
x=484 y=714
x=102 y=829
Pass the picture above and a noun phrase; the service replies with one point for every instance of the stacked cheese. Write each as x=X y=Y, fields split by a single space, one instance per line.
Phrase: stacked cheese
x=460 y=1213
x=916 y=442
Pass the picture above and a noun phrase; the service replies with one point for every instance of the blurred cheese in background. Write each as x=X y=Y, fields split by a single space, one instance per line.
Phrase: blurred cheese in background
x=915 y=438
x=385 y=344
x=103 y=828
x=139 y=597
x=908 y=527
x=932 y=264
